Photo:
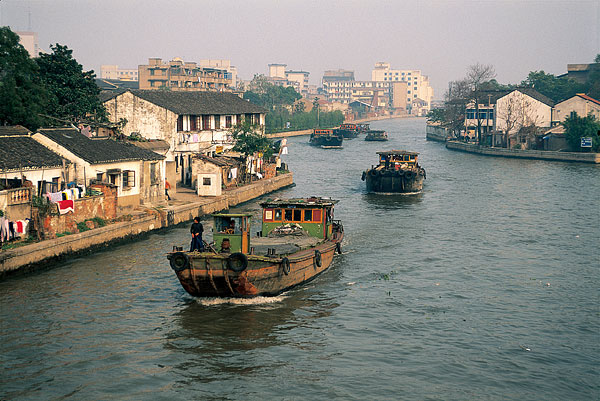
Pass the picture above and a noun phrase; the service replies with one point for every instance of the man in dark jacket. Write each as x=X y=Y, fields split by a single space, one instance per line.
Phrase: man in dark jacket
x=197 y=230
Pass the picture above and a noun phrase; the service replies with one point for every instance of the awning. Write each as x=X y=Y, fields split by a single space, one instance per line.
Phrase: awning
x=113 y=171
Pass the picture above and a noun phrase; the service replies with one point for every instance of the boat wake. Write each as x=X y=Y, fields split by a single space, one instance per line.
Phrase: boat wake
x=240 y=301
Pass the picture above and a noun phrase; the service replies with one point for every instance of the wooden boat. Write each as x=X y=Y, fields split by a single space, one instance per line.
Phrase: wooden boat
x=363 y=128
x=397 y=173
x=376 y=135
x=326 y=138
x=348 y=131
x=298 y=241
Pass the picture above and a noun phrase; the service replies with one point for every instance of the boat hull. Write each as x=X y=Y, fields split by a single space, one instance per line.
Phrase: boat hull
x=326 y=141
x=347 y=133
x=209 y=274
x=392 y=182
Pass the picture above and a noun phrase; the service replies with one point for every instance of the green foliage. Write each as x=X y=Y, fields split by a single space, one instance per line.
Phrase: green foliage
x=270 y=96
x=82 y=227
x=580 y=127
x=100 y=222
x=248 y=140
x=44 y=206
x=73 y=92
x=557 y=89
x=436 y=115
x=276 y=120
x=22 y=95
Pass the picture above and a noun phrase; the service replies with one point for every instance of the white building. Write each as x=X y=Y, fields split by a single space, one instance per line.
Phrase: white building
x=418 y=84
x=221 y=65
x=29 y=40
x=114 y=72
x=278 y=75
x=581 y=104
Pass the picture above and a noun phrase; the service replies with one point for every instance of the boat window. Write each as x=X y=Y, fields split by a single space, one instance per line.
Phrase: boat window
x=308 y=215
x=230 y=225
x=297 y=215
x=316 y=215
x=288 y=215
x=277 y=215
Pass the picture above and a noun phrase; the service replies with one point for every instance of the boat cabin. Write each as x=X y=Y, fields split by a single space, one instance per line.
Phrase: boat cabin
x=398 y=158
x=314 y=215
x=363 y=127
x=322 y=132
x=231 y=232
x=350 y=127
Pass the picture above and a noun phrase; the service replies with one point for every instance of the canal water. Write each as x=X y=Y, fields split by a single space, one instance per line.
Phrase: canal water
x=485 y=286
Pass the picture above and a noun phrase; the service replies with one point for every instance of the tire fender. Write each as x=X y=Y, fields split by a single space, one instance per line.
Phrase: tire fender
x=318 y=261
x=179 y=261
x=237 y=262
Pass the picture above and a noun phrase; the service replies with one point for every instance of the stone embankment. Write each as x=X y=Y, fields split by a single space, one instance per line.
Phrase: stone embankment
x=525 y=154
x=30 y=257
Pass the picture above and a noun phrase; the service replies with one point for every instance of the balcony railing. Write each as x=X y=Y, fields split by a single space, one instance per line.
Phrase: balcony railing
x=16 y=196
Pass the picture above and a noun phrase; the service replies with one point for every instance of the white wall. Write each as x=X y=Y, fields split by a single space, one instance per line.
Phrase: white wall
x=529 y=111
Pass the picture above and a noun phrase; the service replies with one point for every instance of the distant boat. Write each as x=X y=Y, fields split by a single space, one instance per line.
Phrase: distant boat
x=348 y=131
x=397 y=173
x=298 y=241
x=326 y=138
x=376 y=135
x=363 y=128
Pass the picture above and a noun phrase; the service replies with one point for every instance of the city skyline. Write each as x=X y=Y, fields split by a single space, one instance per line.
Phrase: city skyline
x=514 y=37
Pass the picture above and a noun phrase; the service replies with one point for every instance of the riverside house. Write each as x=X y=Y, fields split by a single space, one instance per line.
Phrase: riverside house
x=138 y=174
x=190 y=122
x=26 y=168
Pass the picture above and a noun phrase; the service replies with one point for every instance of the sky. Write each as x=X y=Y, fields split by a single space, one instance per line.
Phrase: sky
x=440 y=38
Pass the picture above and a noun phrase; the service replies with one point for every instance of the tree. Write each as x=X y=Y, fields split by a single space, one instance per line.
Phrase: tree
x=581 y=127
x=436 y=115
x=477 y=76
x=249 y=140
x=593 y=81
x=557 y=89
x=73 y=92
x=22 y=95
x=456 y=99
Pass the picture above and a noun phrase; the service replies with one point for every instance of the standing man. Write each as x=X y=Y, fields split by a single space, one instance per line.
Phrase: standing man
x=197 y=229
x=167 y=187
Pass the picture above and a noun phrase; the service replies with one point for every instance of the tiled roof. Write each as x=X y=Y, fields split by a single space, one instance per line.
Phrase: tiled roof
x=97 y=150
x=116 y=84
x=537 y=96
x=586 y=97
x=23 y=152
x=13 y=130
x=196 y=102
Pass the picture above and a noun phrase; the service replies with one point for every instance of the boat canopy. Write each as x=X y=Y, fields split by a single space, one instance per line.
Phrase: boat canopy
x=323 y=132
x=299 y=202
x=397 y=152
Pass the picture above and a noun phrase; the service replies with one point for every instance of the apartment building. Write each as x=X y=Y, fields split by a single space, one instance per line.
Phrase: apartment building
x=278 y=75
x=417 y=84
x=114 y=72
x=178 y=75
x=221 y=65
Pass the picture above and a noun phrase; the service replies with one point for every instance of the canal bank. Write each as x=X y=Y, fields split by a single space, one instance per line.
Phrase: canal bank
x=41 y=254
x=309 y=131
x=525 y=154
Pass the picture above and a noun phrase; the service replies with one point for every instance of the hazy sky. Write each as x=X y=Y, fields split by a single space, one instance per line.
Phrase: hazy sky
x=441 y=38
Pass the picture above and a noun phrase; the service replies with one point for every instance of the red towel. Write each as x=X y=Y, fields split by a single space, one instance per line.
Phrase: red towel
x=20 y=227
x=66 y=206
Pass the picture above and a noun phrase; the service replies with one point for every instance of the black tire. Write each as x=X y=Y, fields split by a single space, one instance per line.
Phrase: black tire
x=318 y=261
x=374 y=173
x=399 y=173
x=285 y=266
x=409 y=175
x=338 y=248
x=179 y=261
x=364 y=175
x=237 y=262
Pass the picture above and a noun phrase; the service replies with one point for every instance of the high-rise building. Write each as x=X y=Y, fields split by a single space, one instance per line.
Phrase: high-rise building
x=222 y=65
x=418 y=84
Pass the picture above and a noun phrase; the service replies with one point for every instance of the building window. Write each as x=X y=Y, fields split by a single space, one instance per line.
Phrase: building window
x=227 y=121
x=205 y=122
x=128 y=179
x=193 y=123
x=206 y=181
x=153 y=174
x=308 y=215
x=180 y=123
x=99 y=177
x=217 y=122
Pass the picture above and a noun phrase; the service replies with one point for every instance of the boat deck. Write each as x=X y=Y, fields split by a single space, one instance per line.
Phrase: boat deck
x=283 y=245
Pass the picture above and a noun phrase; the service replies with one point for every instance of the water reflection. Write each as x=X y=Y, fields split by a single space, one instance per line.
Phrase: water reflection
x=393 y=201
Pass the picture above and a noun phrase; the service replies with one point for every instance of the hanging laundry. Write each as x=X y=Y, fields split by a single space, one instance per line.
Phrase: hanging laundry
x=20 y=227
x=55 y=196
x=233 y=173
x=195 y=138
x=66 y=206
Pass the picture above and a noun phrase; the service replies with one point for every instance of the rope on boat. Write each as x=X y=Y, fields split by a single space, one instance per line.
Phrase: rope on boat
x=226 y=275
x=210 y=277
